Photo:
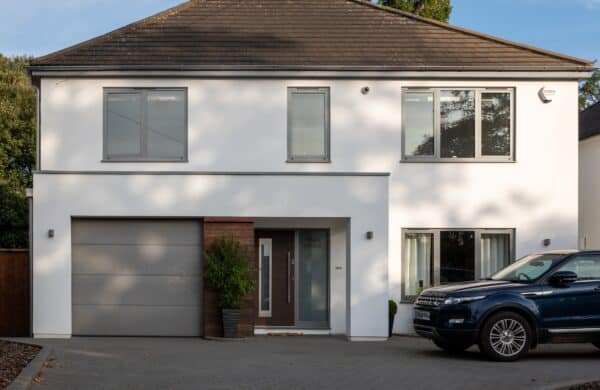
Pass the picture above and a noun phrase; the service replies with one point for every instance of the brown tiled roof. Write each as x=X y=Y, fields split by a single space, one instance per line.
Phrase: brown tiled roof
x=589 y=122
x=301 y=34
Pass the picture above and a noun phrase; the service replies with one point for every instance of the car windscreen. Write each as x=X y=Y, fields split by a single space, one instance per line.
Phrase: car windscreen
x=529 y=268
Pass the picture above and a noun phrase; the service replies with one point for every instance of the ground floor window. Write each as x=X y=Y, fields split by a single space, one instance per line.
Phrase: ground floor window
x=438 y=256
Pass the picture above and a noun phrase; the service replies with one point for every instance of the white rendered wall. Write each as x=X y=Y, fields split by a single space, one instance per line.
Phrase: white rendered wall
x=361 y=199
x=589 y=193
x=240 y=125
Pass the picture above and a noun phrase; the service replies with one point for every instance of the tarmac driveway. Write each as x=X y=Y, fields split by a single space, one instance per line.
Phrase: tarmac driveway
x=302 y=363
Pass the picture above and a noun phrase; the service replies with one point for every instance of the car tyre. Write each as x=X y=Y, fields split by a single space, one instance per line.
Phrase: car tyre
x=505 y=337
x=452 y=347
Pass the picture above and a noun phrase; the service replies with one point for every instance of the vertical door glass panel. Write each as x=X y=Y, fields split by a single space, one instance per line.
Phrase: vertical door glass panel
x=495 y=253
x=124 y=124
x=495 y=124
x=166 y=124
x=457 y=256
x=418 y=117
x=418 y=263
x=313 y=276
x=457 y=117
x=265 y=277
x=308 y=121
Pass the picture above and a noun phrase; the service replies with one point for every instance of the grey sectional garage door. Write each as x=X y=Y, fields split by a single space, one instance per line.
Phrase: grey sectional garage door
x=136 y=277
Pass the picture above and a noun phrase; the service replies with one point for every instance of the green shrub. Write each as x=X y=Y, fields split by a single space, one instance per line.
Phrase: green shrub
x=227 y=271
x=393 y=308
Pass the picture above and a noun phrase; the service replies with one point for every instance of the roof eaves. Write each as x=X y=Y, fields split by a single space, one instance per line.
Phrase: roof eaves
x=292 y=67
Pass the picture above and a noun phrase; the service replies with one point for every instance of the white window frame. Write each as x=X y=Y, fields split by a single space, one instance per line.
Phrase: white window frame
x=269 y=243
x=437 y=128
x=327 y=136
x=436 y=253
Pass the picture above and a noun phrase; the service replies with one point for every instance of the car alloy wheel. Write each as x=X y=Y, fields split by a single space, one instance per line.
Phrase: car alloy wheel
x=508 y=337
x=505 y=337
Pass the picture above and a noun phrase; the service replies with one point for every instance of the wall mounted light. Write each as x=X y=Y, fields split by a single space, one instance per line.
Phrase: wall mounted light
x=369 y=235
x=547 y=94
x=546 y=242
x=365 y=90
x=50 y=233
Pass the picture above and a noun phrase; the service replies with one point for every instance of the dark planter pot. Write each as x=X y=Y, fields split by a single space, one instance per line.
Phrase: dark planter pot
x=231 y=318
x=391 y=327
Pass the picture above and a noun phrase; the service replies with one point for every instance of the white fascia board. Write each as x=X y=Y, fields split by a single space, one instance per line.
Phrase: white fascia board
x=488 y=74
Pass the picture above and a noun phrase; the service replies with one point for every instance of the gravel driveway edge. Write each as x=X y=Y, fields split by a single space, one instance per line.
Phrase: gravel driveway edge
x=25 y=378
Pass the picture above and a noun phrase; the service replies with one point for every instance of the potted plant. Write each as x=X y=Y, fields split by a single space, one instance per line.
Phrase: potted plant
x=392 y=310
x=227 y=271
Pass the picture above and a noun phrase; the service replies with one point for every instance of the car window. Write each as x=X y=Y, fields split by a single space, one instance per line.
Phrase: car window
x=586 y=267
x=528 y=269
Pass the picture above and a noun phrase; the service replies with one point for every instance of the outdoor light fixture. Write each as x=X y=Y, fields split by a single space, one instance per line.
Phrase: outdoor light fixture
x=547 y=94
x=547 y=242
x=50 y=233
x=365 y=90
x=369 y=235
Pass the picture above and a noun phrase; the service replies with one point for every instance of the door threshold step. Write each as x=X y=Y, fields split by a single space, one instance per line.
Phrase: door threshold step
x=262 y=331
x=285 y=334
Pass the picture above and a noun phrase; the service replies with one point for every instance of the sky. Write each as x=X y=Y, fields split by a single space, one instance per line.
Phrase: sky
x=37 y=27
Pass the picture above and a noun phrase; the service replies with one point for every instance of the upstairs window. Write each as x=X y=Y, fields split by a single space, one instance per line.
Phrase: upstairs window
x=446 y=124
x=308 y=125
x=145 y=124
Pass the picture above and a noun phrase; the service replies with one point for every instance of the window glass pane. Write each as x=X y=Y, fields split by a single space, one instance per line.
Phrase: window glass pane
x=457 y=256
x=418 y=263
x=166 y=124
x=265 y=277
x=495 y=124
x=312 y=274
x=586 y=267
x=457 y=116
x=123 y=127
x=495 y=253
x=308 y=114
x=418 y=114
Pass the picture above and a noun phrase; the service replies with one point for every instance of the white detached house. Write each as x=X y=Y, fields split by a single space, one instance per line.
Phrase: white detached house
x=362 y=152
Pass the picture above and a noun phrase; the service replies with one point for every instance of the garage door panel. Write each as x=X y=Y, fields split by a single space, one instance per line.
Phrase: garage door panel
x=138 y=232
x=136 y=277
x=137 y=320
x=137 y=259
x=136 y=290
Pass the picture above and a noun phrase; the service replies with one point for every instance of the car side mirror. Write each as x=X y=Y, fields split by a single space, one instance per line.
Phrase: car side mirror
x=562 y=278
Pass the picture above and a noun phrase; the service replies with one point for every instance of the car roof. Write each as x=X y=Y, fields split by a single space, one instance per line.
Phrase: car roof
x=559 y=252
x=566 y=252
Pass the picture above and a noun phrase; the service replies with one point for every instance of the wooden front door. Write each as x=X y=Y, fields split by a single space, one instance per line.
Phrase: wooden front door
x=275 y=287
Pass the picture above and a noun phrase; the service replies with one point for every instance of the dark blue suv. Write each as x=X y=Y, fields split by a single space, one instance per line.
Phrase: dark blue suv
x=551 y=297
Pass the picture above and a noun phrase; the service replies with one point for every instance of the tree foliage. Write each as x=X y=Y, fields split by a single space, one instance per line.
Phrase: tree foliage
x=17 y=149
x=433 y=9
x=589 y=91
x=228 y=272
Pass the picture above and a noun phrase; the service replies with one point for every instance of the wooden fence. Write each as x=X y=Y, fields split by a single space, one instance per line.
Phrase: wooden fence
x=14 y=293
